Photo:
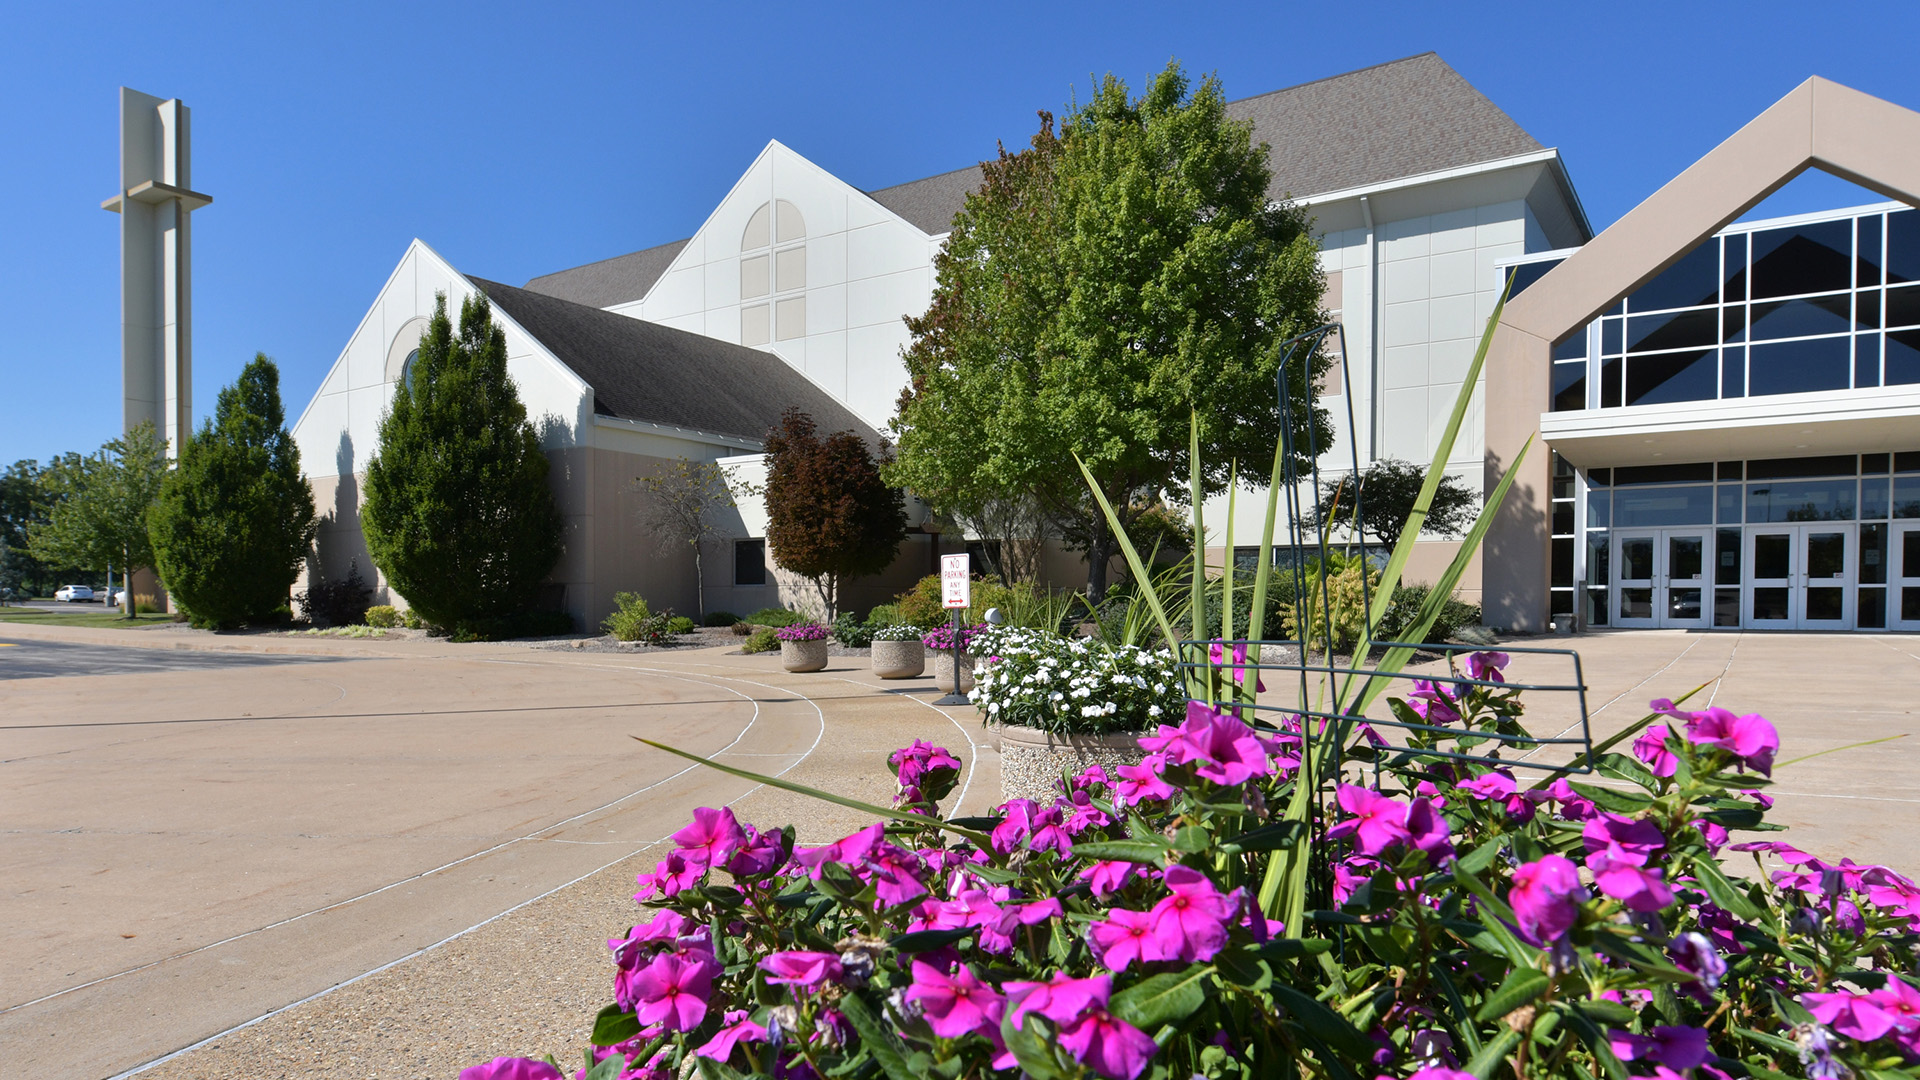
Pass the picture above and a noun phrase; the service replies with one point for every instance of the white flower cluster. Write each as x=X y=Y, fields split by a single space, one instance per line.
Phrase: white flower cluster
x=898 y=632
x=1031 y=678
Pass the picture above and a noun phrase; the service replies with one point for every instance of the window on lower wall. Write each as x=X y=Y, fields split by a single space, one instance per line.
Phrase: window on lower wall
x=749 y=562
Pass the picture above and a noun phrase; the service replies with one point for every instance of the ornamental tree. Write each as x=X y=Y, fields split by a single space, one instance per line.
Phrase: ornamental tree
x=235 y=518
x=458 y=513
x=1102 y=287
x=830 y=515
x=1388 y=490
x=685 y=501
x=97 y=506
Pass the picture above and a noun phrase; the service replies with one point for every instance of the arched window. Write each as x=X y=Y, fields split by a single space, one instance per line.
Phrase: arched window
x=406 y=368
x=773 y=274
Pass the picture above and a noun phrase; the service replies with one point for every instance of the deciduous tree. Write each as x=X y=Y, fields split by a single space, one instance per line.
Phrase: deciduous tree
x=830 y=515
x=1102 y=287
x=97 y=506
x=685 y=501
x=235 y=518
x=458 y=512
x=1388 y=489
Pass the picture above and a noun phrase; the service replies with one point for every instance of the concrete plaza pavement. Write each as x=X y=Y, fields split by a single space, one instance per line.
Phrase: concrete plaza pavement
x=438 y=839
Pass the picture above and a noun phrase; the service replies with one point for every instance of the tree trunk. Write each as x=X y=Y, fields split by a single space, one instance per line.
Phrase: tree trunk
x=1099 y=552
x=699 y=586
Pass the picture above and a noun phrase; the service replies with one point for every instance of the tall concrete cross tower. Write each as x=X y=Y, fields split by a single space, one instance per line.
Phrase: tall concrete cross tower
x=155 y=205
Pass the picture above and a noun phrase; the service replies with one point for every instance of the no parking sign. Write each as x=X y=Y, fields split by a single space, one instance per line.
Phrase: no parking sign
x=956 y=581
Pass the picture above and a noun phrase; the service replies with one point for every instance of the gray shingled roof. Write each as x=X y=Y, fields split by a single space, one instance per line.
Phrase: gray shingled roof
x=656 y=374
x=1401 y=118
x=612 y=281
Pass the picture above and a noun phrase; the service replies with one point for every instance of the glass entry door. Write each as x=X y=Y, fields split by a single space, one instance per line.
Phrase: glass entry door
x=1903 y=578
x=1801 y=576
x=1662 y=578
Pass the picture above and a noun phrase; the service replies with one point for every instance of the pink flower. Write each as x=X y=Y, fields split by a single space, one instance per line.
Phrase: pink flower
x=1016 y=827
x=807 y=970
x=1190 y=923
x=1139 y=783
x=1050 y=831
x=849 y=850
x=1437 y=1072
x=1674 y=1047
x=996 y=933
x=912 y=763
x=1651 y=747
x=1627 y=881
x=713 y=836
x=1857 y=1016
x=1428 y=831
x=739 y=1029
x=1485 y=666
x=1433 y=702
x=1634 y=839
x=760 y=854
x=1378 y=822
x=1108 y=877
x=1545 y=898
x=1081 y=813
x=506 y=1068
x=895 y=872
x=1492 y=786
x=1751 y=739
x=1218 y=657
x=1123 y=938
x=1062 y=999
x=1901 y=1001
x=674 y=873
x=956 y=1004
x=1108 y=1045
x=673 y=992
x=1224 y=746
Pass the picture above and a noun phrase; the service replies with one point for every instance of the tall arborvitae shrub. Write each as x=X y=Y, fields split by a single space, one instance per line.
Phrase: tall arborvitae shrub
x=234 y=518
x=458 y=512
x=830 y=516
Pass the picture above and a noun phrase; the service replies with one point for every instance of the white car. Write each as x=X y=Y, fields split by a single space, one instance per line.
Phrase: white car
x=74 y=594
x=116 y=597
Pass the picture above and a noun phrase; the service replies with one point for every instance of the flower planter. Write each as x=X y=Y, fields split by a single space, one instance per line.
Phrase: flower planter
x=1031 y=759
x=943 y=671
x=899 y=659
x=803 y=655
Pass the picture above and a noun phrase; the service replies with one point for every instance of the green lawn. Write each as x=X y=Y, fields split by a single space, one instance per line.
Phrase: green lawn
x=112 y=620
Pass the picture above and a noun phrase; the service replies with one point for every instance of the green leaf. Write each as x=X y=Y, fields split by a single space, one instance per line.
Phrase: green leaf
x=1272 y=837
x=613 y=1065
x=1463 y=1021
x=1187 y=838
x=924 y=940
x=1490 y=1055
x=980 y=839
x=1162 y=999
x=1618 y=801
x=1597 y=1044
x=1520 y=988
x=1243 y=967
x=1480 y=857
x=1133 y=851
x=1036 y=1059
x=1606 y=1012
x=1722 y=891
x=1293 y=948
x=887 y=1050
x=1316 y=1018
x=1140 y=575
x=1622 y=767
x=613 y=1026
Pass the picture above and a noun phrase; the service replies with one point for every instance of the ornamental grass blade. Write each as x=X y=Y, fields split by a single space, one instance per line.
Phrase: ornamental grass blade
x=1263 y=573
x=1127 y=549
x=980 y=839
x=1197 y=592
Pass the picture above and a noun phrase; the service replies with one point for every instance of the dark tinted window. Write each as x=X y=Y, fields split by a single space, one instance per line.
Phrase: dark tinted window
x=1527 y=273
x=1903 y=246
x=1866 y=360
x=1733 y=372
x=1692 y=281
x=1801 y=500
x=1735 y=289
x=1800 y=318
x=1610 y=337
x=1663 y=506
x=1867 y=249
x=1866 y=309
x=1570 y=386
x=1672 y=330
x=1573 y=348
x=1664 y=377
x=1798 y=367
x=1633 y=475
x=749 y=562
x=1793 y=468
x=1803 y=259
x=1903 y=306
x=1903 y=357
x=1610 y=384
x=1730 y=470
x=1875 y=463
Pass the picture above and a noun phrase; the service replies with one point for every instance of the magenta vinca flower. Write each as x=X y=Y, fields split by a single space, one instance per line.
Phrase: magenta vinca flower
x=713 y=836
x=806 y=970
x=1438 y=1072
x=673 y=991
x=852 y=849
x=1108 y=876
x=1750 y=739
x=1122 y=938
x=956 y=1004
x=1428 y=831
x=1143 y=782
x=1378 y=822
x=1223 y=746
x=913 y=763
x=1433 y=702
x=1618 y=874
x=1108 y=1045
x=1545 y=898
x=1635 y=838
x=1190 y=922
x=1218 y=657
x=1012 y=832
x=1857 y=1016
x=1674 y=1047
x=1486 y=666
x=738 y=1029
x=759 y=855
x=1652 y=748
x=1062 y=999
x=674 y=873
x=506 y=1068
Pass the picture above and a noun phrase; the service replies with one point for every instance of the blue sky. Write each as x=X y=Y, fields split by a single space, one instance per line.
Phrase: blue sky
x=519 y=139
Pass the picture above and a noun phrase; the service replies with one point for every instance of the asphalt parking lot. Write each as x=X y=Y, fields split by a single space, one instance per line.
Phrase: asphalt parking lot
x=26 y=659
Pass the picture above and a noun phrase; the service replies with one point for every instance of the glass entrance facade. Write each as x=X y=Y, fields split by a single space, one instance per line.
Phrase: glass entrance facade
x=1827 y=543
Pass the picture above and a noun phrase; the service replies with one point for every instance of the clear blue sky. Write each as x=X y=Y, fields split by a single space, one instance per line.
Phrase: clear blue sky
x=522 y=138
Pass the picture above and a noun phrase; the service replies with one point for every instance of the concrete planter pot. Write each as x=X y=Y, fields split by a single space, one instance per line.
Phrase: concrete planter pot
x=899 y=659
x=1031 y=759
x=943 y=671
x=803 y=655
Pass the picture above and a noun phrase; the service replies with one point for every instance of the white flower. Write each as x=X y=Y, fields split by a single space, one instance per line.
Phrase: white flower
x=1152 y=710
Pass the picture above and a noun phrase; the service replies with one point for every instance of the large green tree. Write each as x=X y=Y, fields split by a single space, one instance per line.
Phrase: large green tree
x=97 y=506
x=1102 y=287
x=830 y=515
x=458 y=512
x=1388 y=490
x=235 y=518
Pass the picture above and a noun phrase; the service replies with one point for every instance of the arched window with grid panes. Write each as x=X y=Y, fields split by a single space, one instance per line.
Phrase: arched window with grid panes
x=773 y=275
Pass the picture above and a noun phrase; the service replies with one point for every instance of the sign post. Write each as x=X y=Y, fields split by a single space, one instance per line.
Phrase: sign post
x=956 y=594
